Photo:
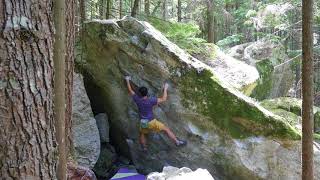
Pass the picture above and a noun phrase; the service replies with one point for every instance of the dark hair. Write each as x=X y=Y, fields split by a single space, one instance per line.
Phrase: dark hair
x=143 y=91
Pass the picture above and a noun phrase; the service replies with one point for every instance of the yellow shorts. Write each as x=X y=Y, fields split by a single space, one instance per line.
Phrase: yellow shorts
x=153 y=126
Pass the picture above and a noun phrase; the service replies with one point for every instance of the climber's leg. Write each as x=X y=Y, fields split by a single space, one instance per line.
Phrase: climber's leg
x=143 y=140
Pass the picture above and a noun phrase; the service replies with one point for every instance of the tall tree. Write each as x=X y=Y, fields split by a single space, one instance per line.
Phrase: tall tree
x=109 y=7
x=135 y=8
x=69 y=61
x=102 y=9
x=179 y=11
x=147 y=7
x=27 y=132
x=210 y=16
x=120 y=9
x=164 y=10
x=59 y=84
x=307 y=90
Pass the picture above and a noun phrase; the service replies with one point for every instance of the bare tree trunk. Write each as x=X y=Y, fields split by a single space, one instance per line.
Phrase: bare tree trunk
x=120 y=9
x=307 y=91
x=109 y=6
x=210 y=21
x=82 y=9
x=179 y=11
x=102 y=9
x=164 y=10
x=135 y=8
x=27 y=132
x=59 y=85
x=69 y=60
x=147 y=7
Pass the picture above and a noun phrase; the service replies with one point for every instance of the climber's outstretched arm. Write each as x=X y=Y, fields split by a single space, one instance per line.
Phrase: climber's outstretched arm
x=131 y=92
x=165 y=94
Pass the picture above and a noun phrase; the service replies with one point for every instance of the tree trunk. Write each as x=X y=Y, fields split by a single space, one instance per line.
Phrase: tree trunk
x=69 y=60
x=120 y=9
x=307 y=91
x=179 y=11
x=82 y=9
x=135 y=8
x=109 y=7
x=210 y=21
x=59 y=84
x=147 y=7
x=27 y=132
x=164 y=10
x=102 y=9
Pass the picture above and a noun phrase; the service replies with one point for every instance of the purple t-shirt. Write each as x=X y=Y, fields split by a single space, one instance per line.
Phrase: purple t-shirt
x=145 y=106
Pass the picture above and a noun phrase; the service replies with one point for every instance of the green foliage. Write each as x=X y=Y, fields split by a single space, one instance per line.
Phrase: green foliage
x=230 y=40
x=185 y=35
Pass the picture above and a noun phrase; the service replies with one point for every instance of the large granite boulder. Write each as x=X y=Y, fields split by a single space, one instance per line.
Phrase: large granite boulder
x=84 y=128
x=228 y=133
x=276 y=73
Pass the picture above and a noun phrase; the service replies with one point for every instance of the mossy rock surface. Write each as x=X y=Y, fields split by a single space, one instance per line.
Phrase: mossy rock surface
x=291 y=109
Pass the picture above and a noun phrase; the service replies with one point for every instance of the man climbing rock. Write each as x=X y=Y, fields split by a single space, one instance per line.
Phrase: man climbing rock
x=147 y=122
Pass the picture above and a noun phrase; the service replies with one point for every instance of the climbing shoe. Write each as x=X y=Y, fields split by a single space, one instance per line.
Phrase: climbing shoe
x=181 y=142
x=144 y=148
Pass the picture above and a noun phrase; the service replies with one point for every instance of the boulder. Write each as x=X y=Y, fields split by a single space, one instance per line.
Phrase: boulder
x=79 y=173
x=291 y=108
x=84 y=128
x=173 y=173
x=104 y=167
x=103 y=126
x=276 y=77
x=237 y=73
x=226 y=130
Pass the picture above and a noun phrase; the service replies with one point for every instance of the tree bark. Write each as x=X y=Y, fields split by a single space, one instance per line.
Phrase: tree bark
x=59 y=84
x=27 y=132
x=69 y=61
x=210 y=20
x=147 y=7
x=179 y=11
x=135 y=8
x=307 y=91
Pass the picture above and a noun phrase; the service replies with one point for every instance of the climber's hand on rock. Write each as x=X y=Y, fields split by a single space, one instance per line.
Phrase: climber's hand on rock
x=127 y=78
x=166 y=86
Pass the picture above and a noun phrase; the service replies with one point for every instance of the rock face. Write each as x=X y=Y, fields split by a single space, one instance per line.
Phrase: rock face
x=79 y=173
x=291 y=108
x=226 y=131
x=276 y=77
x=173 y=173
x=103 y=126
x=85 y=132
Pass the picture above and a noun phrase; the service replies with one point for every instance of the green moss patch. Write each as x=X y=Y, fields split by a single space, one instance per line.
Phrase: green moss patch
x=204 y=94
x=264 y=85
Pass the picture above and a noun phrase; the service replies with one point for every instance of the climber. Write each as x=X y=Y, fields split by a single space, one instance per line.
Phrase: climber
x=147 y=122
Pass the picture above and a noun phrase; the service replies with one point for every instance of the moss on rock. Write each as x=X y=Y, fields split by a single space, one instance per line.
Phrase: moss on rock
x=204 y=94
x=264 y=85
x=290 y=108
